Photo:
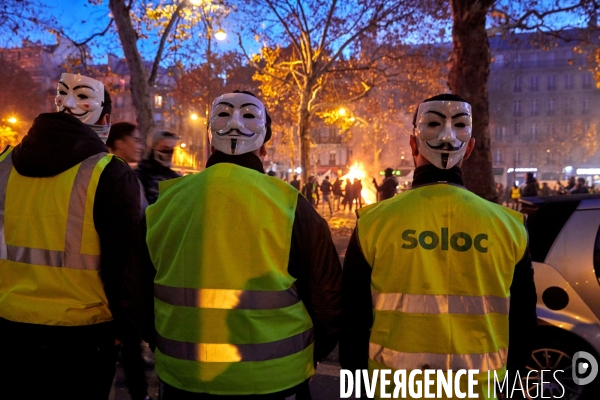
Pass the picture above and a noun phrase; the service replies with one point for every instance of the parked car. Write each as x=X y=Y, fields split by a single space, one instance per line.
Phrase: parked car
x=564 y=239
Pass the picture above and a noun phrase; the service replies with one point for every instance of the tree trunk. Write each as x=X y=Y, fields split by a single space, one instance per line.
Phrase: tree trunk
x=304 y=133
x=468 y=78
x=140 y=90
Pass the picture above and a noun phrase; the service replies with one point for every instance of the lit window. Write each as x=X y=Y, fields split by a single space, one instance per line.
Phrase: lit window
x=157 y=101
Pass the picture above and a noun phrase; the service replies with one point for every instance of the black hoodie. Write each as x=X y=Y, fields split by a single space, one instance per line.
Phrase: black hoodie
x=55 y=143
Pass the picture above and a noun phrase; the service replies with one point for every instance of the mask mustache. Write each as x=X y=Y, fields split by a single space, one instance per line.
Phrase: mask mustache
x=446 y=146
x=236 y=130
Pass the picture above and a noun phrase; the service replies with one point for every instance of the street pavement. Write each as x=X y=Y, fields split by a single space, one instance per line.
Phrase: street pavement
x=325 y=385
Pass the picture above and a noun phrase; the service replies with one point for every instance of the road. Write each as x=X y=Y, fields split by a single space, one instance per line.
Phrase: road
x=325 y=385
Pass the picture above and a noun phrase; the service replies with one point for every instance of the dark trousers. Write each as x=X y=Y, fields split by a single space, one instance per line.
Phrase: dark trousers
x=71 y=371
x=135 y=368
x=168 y=392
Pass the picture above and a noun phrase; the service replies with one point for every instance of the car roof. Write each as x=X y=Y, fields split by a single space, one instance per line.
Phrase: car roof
x=546 y=216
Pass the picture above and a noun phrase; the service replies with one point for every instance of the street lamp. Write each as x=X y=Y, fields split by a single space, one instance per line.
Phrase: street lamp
x=12 y=120
x=194 y=116
x=220 y=34
x=342 y=111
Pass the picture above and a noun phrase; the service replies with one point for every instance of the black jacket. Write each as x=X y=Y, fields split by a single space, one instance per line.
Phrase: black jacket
x=357 y=314
x=55 y=143
x=150 y=173
x=313 y=261
x=387 y=188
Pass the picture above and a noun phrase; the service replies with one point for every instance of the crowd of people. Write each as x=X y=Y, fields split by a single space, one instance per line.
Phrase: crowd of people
x=531 y=188
x=230 y=275
x=337 y=197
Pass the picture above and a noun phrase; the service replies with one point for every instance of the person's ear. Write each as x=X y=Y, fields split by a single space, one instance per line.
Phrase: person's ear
x=263 y=151
x=413 y=146
x=470 y=147
x=105 y=120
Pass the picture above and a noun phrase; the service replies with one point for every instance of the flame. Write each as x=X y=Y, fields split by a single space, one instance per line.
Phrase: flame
x=358 y=171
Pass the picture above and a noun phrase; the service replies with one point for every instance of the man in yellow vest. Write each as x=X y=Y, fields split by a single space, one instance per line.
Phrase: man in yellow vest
x=247 y=286
x=434 y=275
x=68 y=215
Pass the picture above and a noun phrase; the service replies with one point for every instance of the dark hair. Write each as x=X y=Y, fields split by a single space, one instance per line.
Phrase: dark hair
x=439 y=97
x=119 y=131
x=268 y=117
x=106 y=105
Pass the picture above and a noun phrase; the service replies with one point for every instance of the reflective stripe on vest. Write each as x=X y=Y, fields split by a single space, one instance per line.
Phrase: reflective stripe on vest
x=409 y=361
x=226 y=299
x=71 y=257
x=223 y=352
x=440 y=304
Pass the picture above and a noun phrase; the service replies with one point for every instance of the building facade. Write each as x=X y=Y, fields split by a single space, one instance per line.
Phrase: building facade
x=544 y=112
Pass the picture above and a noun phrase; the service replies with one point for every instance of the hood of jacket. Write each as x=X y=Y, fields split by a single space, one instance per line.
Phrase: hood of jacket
x=54 y=143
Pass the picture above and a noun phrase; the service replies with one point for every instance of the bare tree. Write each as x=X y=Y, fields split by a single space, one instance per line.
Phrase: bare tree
x=21 y=18
x=308 y=47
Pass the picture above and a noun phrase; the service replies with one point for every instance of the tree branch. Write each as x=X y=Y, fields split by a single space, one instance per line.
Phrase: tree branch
x=335 y=104
x=163 y=39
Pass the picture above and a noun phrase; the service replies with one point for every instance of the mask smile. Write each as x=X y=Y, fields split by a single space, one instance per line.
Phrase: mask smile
x=68 y=111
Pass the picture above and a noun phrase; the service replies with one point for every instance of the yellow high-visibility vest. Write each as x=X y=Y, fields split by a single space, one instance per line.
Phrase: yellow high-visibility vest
x=49 y=247
x=515 y=193
x=228 y=318
x=442 y=263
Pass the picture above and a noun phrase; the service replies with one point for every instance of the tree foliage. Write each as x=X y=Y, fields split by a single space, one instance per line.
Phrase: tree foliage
x=171 y=26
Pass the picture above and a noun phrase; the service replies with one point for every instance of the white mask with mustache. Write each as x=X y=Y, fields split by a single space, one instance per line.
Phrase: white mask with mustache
x=81 y=97
x=443 y=129
x=238 y=123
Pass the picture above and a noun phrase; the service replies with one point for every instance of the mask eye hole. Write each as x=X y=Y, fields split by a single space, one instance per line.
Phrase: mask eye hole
x=62 y=92
x=460 y=125
x=224 y=114
x=433 y=124
x=249 y=116
x=82 y=96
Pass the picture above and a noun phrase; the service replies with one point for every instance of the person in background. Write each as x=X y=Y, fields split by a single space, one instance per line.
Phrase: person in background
x=545 y=190
x=295 y=182
x=69 y=216
x=500 y=192
x=357 y=192
x=337 y=193
x=388 y=187
x=580 y=187
x=515 y=195
x=241 y=270
x=157 y=166
x=326 y=189
x=124 y=141
x=348 y=195
x=530 y=188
